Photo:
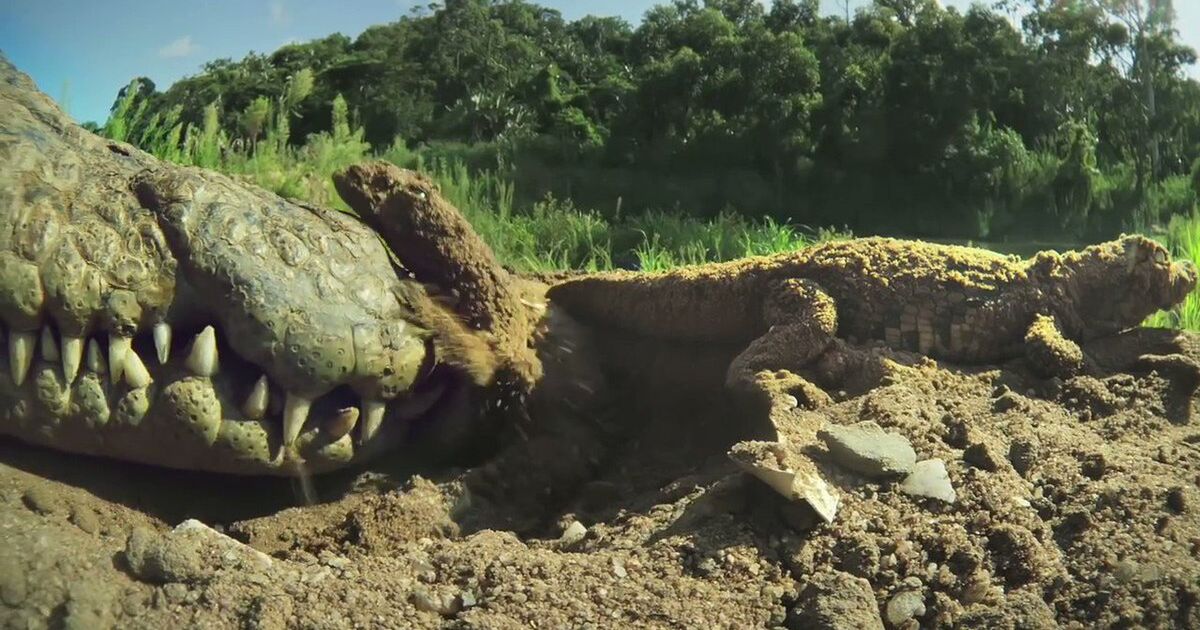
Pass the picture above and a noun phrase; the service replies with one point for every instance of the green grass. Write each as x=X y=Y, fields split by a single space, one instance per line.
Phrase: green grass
x=1182 y=237
x=548 y=235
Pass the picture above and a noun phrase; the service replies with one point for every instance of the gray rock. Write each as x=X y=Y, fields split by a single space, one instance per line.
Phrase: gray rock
x=833 y=600
x=572 y=534
x=440 y=603
x=903 y=606
x=162 y=559
x=929 y=479
x=867 y=449
x=220 y=549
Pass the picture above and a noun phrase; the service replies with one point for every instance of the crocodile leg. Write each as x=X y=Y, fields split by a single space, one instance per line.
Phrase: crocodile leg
x=802 y=321
x=1049 y=351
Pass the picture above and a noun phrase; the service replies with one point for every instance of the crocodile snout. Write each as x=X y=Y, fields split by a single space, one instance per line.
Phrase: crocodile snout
x=1184 y=276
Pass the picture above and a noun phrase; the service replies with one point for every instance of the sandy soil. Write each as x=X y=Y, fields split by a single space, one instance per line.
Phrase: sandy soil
x=1077 y=506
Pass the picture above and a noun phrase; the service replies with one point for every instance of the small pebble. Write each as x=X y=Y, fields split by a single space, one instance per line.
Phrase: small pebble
x=929 y=479
x=619 y=568
x=85 y=519
x=573 y=533
x=903 y=606
x=42 y=501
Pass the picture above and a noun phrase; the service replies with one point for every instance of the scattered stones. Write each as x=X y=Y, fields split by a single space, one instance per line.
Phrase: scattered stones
x=982 y=456
x=867 y=449
x=905 y=605
x=42 y=501
x=929 y=479
x=833 y=600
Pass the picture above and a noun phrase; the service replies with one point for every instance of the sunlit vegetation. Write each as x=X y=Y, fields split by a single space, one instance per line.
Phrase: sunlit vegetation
x=721 y=128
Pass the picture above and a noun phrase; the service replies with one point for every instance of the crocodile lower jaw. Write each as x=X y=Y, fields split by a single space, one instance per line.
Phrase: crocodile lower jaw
x=182 y=397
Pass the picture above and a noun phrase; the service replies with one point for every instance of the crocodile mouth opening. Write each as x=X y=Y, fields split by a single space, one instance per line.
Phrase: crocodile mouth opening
x=178 y=384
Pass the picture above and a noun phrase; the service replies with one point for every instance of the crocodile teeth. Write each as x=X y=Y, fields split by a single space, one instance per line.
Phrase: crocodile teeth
x=162 y=341
x=342 y=423
x=117 y=348
x=49 y=346
x=295 y=413
x=95 y=360
x=20 y=354
x=256 y=403
x=202 y=360
x=72 y=356
x=416 y=406
x=136 y=374
x=372 y=413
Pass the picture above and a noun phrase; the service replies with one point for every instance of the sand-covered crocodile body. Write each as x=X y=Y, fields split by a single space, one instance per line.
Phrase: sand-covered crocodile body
x=177 y=317
x=953 y=303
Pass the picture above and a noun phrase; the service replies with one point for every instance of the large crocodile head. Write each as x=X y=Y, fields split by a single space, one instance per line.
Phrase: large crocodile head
x=177 y=317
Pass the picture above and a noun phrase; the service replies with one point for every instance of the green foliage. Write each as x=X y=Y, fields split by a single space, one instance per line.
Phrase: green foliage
x=906 y=117
x=1196 y=177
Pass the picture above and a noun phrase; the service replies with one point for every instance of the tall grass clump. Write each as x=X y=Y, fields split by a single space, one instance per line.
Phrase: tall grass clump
x=1182 y=237
x=547 y=235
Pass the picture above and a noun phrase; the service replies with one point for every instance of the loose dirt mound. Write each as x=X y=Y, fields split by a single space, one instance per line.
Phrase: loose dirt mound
x=1077 y=505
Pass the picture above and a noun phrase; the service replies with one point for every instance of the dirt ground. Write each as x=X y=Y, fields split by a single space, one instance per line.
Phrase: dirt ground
x=1077 y=506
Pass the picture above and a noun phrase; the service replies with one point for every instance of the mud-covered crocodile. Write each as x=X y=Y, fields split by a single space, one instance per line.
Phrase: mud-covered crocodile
x=952 y=303
x=177 y=317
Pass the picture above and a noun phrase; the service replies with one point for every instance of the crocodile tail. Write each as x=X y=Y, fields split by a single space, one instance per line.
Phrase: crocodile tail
x=700 y=303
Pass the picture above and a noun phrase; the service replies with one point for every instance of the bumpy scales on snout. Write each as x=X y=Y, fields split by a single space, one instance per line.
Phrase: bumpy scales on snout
x=176 y=317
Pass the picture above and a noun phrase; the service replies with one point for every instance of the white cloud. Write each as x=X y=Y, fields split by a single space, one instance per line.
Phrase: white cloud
x=279 y=13
x=182 y=47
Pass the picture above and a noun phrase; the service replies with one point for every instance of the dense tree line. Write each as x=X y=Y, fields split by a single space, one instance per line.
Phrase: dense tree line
x=1077 y=118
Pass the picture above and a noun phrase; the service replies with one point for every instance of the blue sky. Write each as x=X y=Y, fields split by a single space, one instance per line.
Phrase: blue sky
x=82 y=51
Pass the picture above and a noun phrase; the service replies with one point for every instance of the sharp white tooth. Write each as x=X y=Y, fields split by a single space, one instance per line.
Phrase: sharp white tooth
x=49 y=346
x=342 y=423
x=256 y=403
x=295 y=413
x=95 y=360
x=72 y=356
x=136 y=374
x=202 y=360
x=162 y=341
x=20 y=354
x=372 y=413
x=117 y=347
x=416 y=406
